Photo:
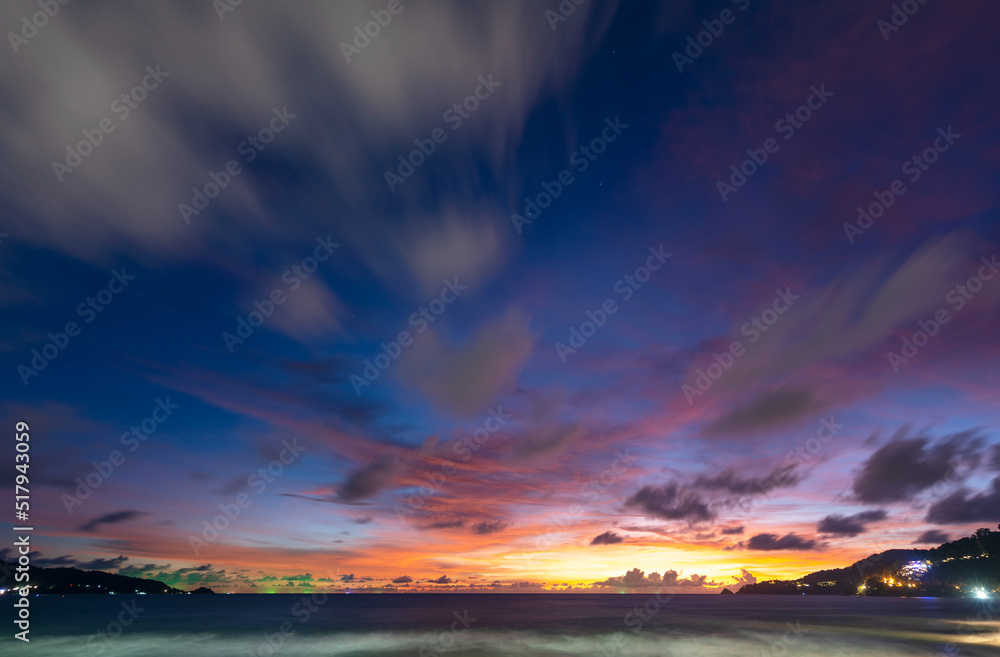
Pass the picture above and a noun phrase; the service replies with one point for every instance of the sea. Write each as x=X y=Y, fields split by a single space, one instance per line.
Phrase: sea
x=494 y=625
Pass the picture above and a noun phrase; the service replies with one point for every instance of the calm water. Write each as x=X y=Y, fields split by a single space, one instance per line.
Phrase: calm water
x=494 y=625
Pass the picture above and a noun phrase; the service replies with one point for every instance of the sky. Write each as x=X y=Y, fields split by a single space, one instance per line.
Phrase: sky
x=499 y=296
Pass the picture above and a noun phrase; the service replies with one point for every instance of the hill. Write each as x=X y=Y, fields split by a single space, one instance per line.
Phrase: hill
x=74 y=580
x=959 y=568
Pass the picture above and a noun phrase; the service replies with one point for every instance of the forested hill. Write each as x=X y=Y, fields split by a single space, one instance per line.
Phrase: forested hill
x=964 y=568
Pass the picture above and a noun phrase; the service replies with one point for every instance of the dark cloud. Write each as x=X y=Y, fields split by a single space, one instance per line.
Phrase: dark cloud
x=768 y=542
x=347 y=578
x=932 y=536
x=141 y=571
x=370 y=479
x=204 y=568
x=110 y=519
x=443 y=524
x=732 y=531
x=405 y=579
x=362 y=521
x=995 y=457
x=670 y=502
x=103 y=564
x=607 y=538
x=729 y=481
x=444 y=579
x=64 y=560
x=633 y=579
x=767 y=411
x=850 y=525
x=488 y=527
x=962 y=507
x=904 y=467
x=234 y=486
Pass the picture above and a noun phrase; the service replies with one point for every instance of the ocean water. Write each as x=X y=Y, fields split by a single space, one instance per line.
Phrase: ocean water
x=460 y=625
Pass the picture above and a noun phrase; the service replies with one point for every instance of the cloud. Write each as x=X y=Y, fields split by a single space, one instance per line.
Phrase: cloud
x=467 y=378
x=963 y=507
x=768 y=542
x=732 y=531
x=347 y=578
x=142 y=571
x=859 y=309
x=443 y=524
x=444 y=579
x=370 y=479
x=636 y=578
x=542 y=441
x=405 y=579
x=633 y=578
x=841 y=525
x=284 y=54
x=745 y=577
x=607 y=538
x=905 y=466
x=766 y=411
x=995 y=457
x=729 y=481
x=459 y=249
x=670 y=502
x=932 y=536
x=103 y=564
x=309 y=313
x=64 y=560
x=489 y=527
x=110 y=519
